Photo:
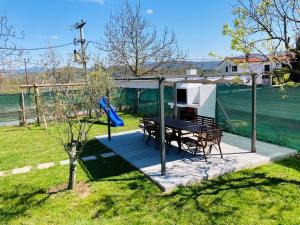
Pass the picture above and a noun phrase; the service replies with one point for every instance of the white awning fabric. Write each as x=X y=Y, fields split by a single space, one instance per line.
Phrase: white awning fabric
x=153 y=84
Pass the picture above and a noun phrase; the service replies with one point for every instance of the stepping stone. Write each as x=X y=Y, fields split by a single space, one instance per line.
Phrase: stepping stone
x=88 y=158
x=2 y=174
x=21 y=170
x=109 y=154
x=64 y=162
x=45 y=165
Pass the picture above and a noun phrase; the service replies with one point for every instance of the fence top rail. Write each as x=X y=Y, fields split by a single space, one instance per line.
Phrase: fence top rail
x=50 y=85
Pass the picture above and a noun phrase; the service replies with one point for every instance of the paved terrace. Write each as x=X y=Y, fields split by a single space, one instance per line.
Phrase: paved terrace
x=182 y=171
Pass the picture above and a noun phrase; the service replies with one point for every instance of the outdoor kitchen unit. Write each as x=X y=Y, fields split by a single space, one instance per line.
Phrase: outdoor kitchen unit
x=195 y=99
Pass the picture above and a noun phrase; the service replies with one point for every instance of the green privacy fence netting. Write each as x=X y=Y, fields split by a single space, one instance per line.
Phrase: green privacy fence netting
x=278 y=113
x=10 y=109
x=122 y=99
x=125 y=98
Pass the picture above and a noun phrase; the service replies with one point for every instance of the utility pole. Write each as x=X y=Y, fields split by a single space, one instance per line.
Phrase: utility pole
x=82 y=43
x=26 y=74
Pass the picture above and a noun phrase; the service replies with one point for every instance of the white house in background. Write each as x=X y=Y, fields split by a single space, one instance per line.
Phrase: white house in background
x=255 y=64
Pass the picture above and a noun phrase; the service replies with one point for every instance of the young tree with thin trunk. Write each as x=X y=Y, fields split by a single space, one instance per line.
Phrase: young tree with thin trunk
x=135 y=48
x=67 y=108
x=268 y=27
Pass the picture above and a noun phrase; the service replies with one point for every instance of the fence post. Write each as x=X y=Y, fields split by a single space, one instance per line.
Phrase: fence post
x=36 y=96
x=22 y=109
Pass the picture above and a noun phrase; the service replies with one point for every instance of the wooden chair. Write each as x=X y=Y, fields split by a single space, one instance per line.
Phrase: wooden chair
x=170 y=136
x=142 y=124
x=205 y=139
x=205 y=120
x=151 y=130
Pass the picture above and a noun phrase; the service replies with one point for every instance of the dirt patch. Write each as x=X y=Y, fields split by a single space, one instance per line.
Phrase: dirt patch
x=57 y=189
x=82 y=189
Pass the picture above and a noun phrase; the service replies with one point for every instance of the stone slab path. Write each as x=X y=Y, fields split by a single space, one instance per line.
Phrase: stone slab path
x=47 y=165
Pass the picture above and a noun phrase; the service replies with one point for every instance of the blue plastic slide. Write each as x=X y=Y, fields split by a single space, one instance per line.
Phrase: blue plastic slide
x=114 y=118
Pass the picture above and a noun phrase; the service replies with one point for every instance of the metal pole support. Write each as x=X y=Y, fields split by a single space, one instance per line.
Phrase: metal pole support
x=162 y=126
x=175 y=100
x=108 y=115
x=253 y=137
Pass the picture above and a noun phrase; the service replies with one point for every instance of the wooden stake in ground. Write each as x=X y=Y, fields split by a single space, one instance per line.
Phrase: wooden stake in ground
x=22 y=109
x=36 y=98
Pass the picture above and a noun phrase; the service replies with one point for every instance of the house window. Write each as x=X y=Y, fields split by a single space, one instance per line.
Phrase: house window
x=267 y=68
x=226 y=69
x=234 y=68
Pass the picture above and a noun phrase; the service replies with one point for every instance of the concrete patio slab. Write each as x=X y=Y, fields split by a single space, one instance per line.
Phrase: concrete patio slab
x=187 y=170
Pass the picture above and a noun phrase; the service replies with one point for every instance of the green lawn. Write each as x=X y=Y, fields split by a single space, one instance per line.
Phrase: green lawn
x=21 y=146
x=119 y=194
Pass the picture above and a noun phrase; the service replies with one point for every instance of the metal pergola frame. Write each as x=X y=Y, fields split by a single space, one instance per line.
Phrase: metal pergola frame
x=161 y=80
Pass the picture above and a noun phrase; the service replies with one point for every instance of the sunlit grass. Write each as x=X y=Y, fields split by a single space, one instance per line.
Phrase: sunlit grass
x=119 y=194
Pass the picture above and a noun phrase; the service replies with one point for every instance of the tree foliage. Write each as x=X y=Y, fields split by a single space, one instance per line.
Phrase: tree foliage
x=268 y=27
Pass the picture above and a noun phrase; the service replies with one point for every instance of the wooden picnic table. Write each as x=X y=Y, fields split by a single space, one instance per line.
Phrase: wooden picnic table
x=179 y=126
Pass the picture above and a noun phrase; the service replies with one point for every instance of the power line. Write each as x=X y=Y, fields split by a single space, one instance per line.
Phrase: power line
x=39 y=48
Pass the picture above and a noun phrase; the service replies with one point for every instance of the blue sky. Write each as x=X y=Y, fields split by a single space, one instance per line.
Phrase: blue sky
x=197 y=23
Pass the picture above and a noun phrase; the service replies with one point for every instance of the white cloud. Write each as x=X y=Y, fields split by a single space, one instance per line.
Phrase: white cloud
x=100 y=2
x=49 y=37
x=54 y=37
x=149 y=11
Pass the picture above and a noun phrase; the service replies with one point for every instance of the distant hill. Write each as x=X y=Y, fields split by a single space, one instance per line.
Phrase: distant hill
x=30 y=70
x=203 y=65
x=199 y=65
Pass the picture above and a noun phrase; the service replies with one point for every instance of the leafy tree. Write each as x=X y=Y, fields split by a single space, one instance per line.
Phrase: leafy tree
x=268 y=27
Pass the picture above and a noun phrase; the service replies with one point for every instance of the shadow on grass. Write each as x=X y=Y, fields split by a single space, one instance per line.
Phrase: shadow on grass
x=217 y=200
x=293 y=162
x=235 y=186
x=103 y=168
x=21 y=202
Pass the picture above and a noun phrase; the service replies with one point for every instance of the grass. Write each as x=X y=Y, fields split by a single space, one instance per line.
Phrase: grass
x=22 y=146
x=119 y=194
